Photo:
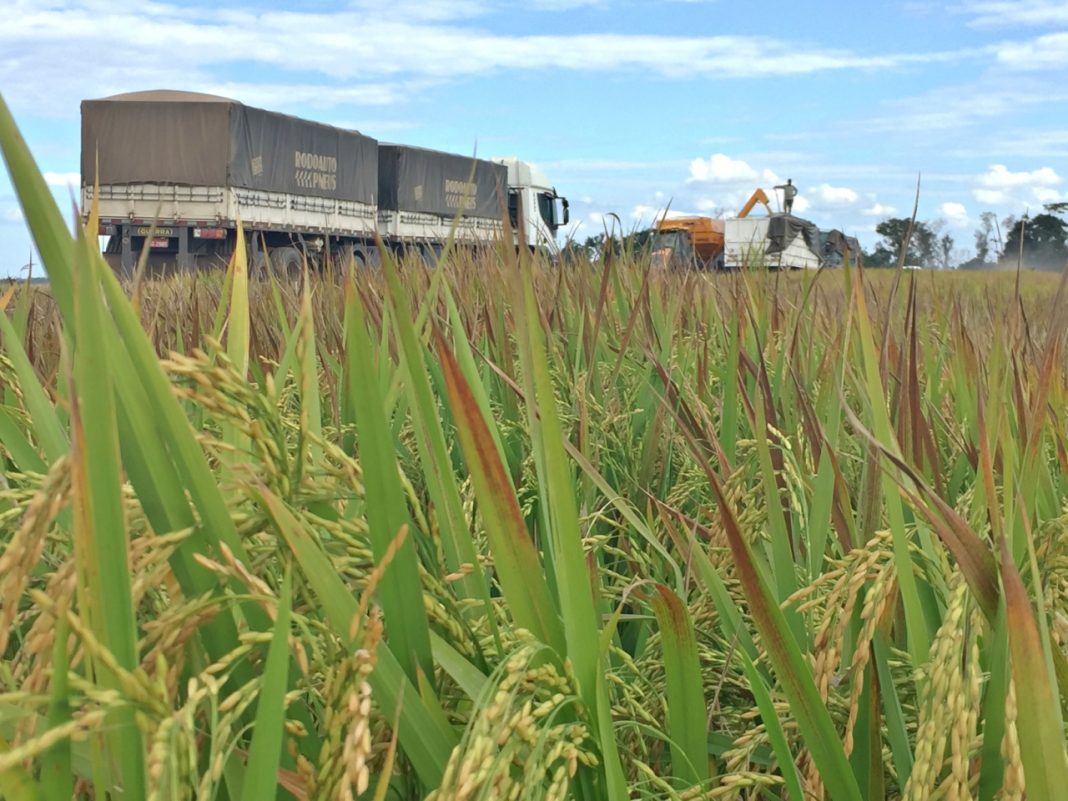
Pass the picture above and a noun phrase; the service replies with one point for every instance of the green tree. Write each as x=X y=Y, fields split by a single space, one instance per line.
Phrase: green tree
x=985 y=237
x=1044 y=240
x=923 y=244
x=880 y=257
x=945 y=250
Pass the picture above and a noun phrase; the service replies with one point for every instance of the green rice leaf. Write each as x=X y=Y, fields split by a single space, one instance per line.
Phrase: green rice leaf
x=1039 y=727
x=685 y=697
x=261 y=778
x=99 y=520
x=387 y=512
x=519 y=569
x=456 y=539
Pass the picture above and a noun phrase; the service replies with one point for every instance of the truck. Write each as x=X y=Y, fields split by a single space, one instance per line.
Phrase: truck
x=775 y=241
x=173 y=173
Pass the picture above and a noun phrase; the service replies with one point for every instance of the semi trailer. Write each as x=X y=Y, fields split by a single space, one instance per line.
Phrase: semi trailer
x=172 y=173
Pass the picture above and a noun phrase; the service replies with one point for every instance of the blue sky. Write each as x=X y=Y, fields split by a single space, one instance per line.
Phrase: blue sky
x=629 y=106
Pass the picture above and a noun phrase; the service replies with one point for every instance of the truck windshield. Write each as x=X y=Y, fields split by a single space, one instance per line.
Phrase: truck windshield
x=513 y=208
x=675 y=241
x=672 y=249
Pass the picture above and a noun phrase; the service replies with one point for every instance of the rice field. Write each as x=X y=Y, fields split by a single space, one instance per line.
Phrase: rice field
x=502 y=530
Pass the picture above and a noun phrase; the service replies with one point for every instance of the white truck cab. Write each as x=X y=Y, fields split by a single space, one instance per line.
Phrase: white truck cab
x=533 y=203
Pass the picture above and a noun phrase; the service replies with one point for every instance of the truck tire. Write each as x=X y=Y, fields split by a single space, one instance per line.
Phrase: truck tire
x=287 y=263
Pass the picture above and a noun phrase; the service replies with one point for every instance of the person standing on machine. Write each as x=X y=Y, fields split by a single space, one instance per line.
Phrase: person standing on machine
x=789 y=192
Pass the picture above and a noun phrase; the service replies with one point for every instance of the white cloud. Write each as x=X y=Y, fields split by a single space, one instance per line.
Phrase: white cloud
x=991 y=197
x=645 y=212
x=563 y=5
x=879 y=210
x=427 y=9
x=1044 y=194
x=1018 y=190
x=836 y=195
x=13 y=214
x=1000 y=177
x=721 y=168
x=770 y=177
x=801 y=204
x=945 y=108
x=956 y=213
x=648 y=215
x=1000 y=186
x=1042 y=53
x=1002 y=13
x=285 y=96
x=398 y=45
x=610 y=165
x=63 y=179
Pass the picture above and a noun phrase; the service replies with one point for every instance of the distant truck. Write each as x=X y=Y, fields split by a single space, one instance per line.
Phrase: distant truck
x=777 y=241
x=177 y=170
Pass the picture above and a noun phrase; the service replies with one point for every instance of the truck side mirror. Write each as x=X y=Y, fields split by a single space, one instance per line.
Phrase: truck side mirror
x=567 y=211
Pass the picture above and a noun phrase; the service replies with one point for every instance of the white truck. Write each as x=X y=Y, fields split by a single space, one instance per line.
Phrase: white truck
x=177 y=170
x=776 y=242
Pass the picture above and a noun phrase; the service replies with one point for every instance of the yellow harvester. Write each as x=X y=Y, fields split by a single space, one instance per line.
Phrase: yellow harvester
x=696 y=242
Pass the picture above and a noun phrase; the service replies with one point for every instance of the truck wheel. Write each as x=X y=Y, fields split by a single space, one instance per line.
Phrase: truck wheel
x=287 y=262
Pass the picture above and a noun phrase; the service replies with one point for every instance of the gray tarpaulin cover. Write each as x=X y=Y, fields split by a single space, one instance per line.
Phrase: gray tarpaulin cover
x=784 y=228
x=167 y=137
x=415 y=179
x=836 y=243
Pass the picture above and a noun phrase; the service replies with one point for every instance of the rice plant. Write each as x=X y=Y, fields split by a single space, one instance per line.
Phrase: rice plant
x=510 y=530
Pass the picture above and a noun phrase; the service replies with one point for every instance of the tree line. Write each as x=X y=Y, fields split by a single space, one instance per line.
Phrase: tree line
x=1039 y=242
